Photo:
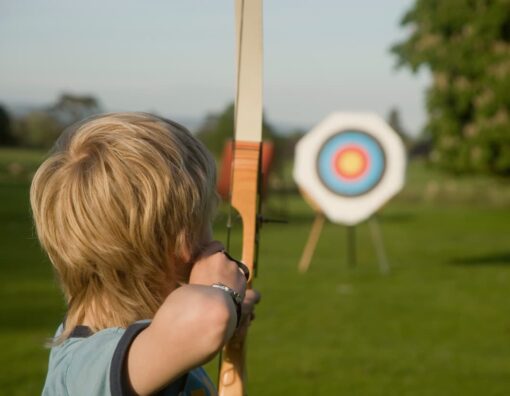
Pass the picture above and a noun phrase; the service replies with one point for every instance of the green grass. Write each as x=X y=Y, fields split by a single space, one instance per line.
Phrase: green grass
x=19 y=164
x=438 y=324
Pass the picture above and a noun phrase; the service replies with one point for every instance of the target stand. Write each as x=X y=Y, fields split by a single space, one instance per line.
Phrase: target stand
x=314 y=236
x=316 y=230
x=348 y=166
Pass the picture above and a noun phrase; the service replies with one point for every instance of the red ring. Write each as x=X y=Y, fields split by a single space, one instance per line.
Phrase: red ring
x=358 y=175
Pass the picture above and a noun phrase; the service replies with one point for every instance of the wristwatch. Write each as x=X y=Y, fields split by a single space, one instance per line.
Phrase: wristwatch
x=236 y=298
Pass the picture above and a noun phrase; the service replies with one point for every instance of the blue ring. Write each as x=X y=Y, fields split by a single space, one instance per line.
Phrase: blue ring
x=344 y=187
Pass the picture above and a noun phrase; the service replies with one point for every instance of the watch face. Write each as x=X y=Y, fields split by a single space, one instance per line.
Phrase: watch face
x=235 y=295
x=351 y=163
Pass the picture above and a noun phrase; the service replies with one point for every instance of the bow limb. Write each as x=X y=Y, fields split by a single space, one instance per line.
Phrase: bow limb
x=245 y=168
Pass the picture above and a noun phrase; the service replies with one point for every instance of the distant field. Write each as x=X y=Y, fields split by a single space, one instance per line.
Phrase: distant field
x=19 y=164
x=438 y=324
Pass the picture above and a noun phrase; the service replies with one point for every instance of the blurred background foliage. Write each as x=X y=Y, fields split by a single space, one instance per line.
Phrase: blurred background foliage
x=40 y=127
x=466 y=46
x=435 y=326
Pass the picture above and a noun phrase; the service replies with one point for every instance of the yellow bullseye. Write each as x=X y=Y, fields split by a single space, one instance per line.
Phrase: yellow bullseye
x=350 y=163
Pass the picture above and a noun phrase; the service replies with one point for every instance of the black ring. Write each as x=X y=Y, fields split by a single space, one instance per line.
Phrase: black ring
x=244 y=269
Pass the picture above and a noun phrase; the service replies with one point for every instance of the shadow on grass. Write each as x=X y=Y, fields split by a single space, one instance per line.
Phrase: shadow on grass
x=396 y=217
x=502 y=258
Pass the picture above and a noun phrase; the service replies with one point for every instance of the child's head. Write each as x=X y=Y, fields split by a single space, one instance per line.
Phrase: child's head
x=121 y=202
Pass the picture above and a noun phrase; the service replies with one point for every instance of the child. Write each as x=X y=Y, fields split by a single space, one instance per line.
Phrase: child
x=123 y=208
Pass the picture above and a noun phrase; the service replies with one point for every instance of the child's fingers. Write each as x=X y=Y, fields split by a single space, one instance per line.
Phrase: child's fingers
x=252 y=296
x=242 y=267
x=218 y=268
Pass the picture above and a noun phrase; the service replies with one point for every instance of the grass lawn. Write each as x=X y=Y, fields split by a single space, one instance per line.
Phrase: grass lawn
x=438 y=324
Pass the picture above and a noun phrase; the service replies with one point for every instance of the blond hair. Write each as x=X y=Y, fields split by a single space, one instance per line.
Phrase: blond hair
x=117 y=205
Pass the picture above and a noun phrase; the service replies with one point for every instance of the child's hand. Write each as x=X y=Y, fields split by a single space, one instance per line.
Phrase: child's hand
x=213 y=266
x=250 y=300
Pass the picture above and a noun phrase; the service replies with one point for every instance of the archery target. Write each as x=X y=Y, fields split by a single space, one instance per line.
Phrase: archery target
x=351 y=163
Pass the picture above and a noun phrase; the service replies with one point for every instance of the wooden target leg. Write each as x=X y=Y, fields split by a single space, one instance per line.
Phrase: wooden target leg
x=375 y=230
x=311 y=244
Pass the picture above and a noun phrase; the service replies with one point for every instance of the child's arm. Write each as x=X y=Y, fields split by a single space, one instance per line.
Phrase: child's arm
x=192 y=325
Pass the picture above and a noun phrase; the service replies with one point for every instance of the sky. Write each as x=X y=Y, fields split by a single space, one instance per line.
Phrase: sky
x=177 y=58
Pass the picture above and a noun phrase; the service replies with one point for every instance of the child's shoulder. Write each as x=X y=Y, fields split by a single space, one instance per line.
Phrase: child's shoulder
x=94 y=364
x=90 y=363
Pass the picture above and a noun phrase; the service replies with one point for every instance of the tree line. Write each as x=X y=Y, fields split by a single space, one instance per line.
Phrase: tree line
x=466 y=46
x=39 y=128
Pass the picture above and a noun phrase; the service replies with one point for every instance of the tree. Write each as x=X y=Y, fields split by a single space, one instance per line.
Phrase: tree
x=396 y=124
x=6 y=137
x=71 y=108
x=466 y=46
x=218 y=128
x=37 y=129
x=41 y=127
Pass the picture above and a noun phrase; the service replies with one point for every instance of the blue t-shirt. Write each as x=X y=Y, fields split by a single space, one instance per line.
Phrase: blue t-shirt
x=92 y=364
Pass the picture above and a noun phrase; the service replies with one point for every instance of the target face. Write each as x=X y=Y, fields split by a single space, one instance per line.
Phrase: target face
x=351 y=163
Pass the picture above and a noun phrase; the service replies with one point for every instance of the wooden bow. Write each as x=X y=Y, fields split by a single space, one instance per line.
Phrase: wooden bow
x=245 y=168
